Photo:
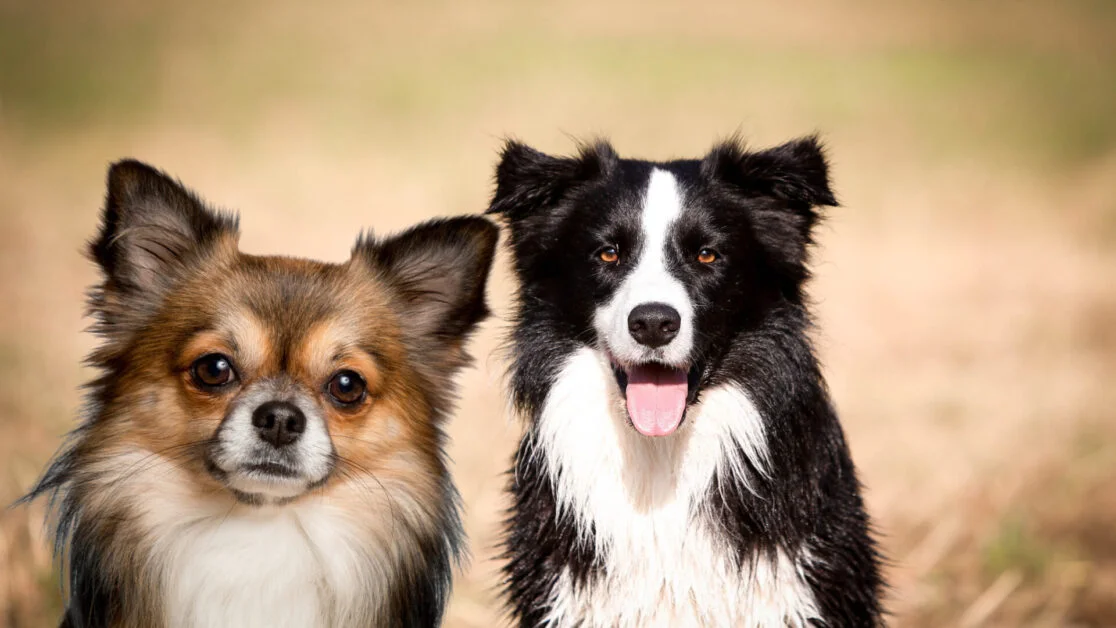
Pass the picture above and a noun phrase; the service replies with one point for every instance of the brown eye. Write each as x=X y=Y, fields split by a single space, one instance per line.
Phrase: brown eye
x=346 y=387
x=609 y=254
x=213 y=371
x=707 y=256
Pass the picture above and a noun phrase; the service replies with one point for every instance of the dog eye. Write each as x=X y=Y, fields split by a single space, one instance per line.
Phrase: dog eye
x=214 y=370
x=609 y=254
x=346 y=387
x=707 y=256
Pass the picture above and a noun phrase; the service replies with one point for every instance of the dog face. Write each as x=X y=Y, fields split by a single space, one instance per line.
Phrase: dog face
x=659 y=266
x=270 y=377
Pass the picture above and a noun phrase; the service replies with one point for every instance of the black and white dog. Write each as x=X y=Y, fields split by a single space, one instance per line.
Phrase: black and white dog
x=682 y=464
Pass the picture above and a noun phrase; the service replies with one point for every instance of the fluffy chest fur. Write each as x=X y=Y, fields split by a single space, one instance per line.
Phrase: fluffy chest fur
x=294 y=568
x=214 y=563
x=664 y=559
x=683 y=464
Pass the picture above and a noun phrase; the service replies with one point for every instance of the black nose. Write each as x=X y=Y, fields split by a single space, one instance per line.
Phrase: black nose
x=654 y=324
x=279 y=423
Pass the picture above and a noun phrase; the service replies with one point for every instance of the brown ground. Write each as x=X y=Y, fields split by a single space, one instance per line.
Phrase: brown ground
x=965 y=289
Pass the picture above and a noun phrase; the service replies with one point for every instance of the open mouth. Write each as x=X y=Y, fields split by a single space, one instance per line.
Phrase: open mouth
x=656 y=395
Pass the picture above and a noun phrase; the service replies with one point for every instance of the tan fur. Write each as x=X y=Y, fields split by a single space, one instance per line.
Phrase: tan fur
x=190 y=504
x=389 y=436
x=147 y=452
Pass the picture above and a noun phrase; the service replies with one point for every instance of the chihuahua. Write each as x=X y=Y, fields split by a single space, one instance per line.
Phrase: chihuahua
x=263 y=445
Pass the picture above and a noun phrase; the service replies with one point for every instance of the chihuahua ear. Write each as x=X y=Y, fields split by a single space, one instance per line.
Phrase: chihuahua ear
x=528 y=180
x=439 y=269
x=152 y=229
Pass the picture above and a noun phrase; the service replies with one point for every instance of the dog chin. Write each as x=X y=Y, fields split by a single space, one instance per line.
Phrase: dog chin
x=266 y=483
x=266 y=486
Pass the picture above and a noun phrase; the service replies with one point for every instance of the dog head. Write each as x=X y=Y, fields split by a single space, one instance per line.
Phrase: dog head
x=269 y=377
x=659 y=266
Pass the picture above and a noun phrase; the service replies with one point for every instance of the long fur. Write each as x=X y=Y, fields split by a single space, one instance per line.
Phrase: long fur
x=750 y=513
x=148 y=525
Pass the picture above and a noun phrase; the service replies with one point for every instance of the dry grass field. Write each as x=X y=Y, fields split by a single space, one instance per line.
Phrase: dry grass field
x=966 y=289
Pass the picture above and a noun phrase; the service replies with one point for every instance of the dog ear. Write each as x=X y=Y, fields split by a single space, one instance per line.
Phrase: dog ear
x=528 y=180
x=795 y=173
x=152 y=230
x=439 y=269
x=789 y=182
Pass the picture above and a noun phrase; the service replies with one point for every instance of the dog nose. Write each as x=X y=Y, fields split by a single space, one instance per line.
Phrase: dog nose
x=278 y=422
x=654 y=324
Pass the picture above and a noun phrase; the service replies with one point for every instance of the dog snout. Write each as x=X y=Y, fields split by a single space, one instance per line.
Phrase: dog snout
x=654 y=324
x=279 y=422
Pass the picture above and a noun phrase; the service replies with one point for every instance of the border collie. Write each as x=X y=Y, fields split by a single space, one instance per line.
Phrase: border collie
x=682 y=462
x=263 y=446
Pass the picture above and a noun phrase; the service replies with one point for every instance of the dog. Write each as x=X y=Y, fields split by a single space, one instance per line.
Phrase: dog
x=263 y=445
x=682 y=463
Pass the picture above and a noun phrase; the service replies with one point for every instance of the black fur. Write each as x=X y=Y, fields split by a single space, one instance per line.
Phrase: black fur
x=757 y=209
x=422 y=588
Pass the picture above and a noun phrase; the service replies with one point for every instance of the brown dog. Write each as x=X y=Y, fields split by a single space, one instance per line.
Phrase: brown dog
x=263 y=445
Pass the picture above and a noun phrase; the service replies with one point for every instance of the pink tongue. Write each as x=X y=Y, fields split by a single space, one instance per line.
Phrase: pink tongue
x=656 y=398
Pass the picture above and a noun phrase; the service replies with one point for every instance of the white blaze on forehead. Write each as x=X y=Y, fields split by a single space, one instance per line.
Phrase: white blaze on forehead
x=661 y=207
x=650 y=281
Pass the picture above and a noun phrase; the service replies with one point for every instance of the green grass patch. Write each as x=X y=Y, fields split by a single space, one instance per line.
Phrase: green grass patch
x=1015 y=547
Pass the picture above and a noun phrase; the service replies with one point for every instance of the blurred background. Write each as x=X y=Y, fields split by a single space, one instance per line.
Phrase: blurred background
x=966 y=289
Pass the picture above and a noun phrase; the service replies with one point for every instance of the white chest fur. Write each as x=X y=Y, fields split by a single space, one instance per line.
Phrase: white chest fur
x=642 y=498
x=301 y=565
x=261 y=569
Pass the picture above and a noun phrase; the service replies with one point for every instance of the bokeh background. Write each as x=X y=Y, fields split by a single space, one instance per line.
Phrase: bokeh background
x=966 y=288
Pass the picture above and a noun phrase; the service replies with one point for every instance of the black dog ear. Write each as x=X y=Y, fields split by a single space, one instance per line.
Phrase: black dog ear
x=152 y=230
x=789 y=180
x=439 y=269
x=795 y=172
x=528 y=180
